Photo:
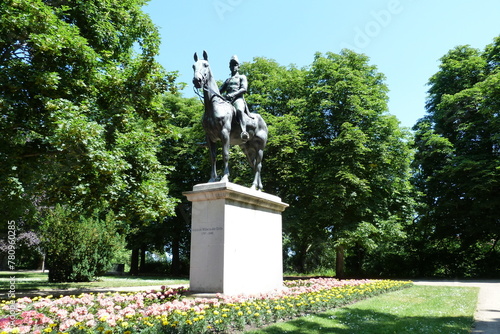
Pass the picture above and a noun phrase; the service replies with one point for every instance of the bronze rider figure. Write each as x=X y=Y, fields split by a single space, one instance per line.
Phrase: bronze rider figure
x=235 y=87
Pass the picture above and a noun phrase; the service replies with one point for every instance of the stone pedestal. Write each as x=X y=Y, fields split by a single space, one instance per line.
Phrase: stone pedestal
x=236 y=240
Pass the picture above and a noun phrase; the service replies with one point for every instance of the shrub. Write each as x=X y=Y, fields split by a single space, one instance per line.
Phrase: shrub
x=79 y=248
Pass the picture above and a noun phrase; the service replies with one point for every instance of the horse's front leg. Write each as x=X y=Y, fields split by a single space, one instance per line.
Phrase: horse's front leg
x=225 y=153
x=212 y=147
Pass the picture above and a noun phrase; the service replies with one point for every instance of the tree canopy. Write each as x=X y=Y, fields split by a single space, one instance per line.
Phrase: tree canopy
x=458 y=154
x=346 y=161
x=94 y=133
x=82 y=118
x=81 y=113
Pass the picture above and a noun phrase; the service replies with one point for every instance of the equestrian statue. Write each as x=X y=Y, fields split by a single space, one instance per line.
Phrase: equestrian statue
x=227 y=118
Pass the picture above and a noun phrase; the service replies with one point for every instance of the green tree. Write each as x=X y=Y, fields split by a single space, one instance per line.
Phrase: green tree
x=345 y=161
x=457 y=164
x=188 y=155
x=278 y=93
x=81 y=111
x=361 y=155
x=82 y=118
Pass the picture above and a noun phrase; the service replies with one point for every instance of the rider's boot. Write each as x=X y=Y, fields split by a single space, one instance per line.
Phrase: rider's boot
x=244 y=137
x=244 y=134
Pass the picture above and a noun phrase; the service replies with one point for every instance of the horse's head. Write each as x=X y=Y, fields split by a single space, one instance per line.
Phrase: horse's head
x=201 y=71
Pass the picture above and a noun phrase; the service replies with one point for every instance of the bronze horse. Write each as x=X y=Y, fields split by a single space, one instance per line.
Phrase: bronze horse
x=220 y=123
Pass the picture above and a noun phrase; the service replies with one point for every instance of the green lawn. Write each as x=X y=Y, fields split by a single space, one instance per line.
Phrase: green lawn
x=419 y=309
x=39 y=281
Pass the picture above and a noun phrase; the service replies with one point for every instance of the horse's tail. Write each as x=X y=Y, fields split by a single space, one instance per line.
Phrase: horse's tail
x=261 y=129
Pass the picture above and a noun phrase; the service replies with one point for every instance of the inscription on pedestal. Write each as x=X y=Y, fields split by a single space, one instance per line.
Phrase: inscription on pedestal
x=207 y=230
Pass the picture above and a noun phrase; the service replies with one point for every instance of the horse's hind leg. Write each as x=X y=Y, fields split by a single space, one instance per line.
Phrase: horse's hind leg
x=257 y=182
x=254 y=158
x=213 y=159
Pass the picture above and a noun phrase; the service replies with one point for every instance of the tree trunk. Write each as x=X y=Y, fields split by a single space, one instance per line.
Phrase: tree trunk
x=142 y=267
x=301 y=262
x=185 y=210
x=176 y=261
x=134 y=262
x=41 y=265
x=339 y=263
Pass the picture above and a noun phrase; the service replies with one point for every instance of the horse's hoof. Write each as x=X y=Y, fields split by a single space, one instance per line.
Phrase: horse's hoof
x=254 y=187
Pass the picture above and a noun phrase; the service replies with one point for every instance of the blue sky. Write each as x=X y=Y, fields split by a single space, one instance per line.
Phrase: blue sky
x=403 y=38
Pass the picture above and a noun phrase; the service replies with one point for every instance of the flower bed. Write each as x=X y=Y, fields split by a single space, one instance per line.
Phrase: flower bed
x=168 y=311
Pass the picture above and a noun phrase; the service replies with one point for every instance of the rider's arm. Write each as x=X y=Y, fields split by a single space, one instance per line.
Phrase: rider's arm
x=223 y=88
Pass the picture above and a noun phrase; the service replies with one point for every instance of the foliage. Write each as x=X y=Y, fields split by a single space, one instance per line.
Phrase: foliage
x=335 y=155
x=456 y=166
x=81 y=111
x=185 y=151
x=90 y=121
x=28 y=251
x=164 y=312
x=187 y=154
x=79 y=248
x=82 y=119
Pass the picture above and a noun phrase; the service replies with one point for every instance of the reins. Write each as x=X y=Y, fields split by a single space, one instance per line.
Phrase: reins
x=211 y=92
x=198 y=93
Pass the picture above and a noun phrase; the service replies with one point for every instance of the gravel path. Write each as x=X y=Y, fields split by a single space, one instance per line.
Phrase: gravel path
x=487 y=314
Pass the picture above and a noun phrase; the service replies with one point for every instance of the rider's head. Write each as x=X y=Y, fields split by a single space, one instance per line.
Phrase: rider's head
x=234 y=64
